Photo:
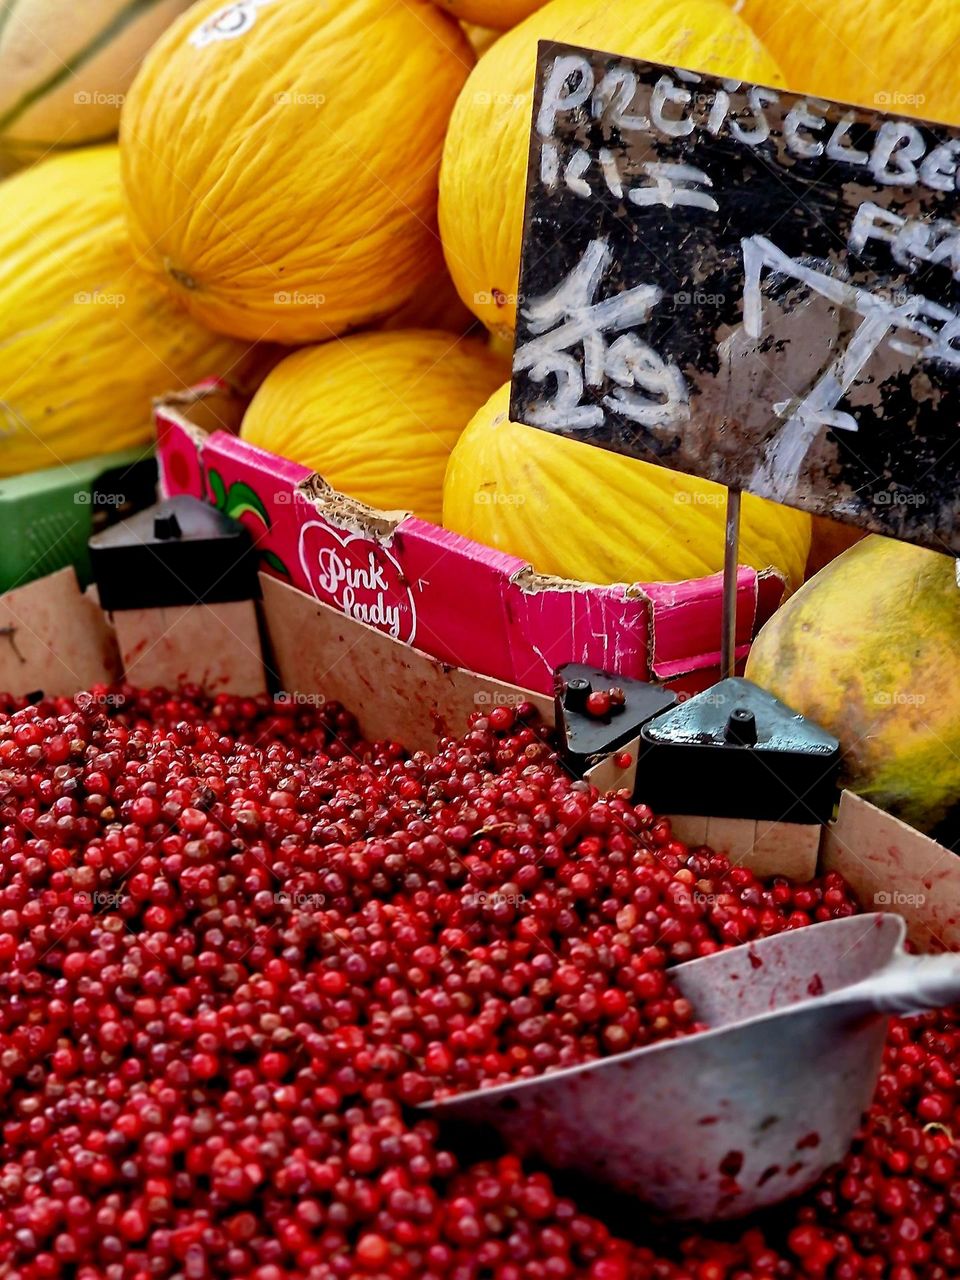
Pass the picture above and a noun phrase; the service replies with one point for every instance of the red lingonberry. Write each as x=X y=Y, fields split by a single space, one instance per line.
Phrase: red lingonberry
x=237 y=941
x=599 y=703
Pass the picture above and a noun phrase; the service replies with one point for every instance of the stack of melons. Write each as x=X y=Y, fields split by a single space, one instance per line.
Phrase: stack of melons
x=330 y=177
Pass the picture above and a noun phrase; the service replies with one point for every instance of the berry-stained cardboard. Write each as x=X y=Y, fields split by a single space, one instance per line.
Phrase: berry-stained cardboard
x=456 y=600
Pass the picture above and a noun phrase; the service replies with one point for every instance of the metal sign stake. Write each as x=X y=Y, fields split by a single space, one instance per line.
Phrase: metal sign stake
x=728 y=646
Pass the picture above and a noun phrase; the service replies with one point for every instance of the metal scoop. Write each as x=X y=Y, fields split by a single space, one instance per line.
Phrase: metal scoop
x=723 y=1123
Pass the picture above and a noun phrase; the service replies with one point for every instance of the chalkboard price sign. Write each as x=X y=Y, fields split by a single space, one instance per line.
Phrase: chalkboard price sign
x=745 y=284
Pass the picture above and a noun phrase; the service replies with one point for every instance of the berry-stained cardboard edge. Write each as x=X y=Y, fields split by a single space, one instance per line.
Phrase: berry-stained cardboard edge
x=454 y=599
x=893 y=867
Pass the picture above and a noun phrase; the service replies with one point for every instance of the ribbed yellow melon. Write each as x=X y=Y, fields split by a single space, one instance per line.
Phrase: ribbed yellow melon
x=898 y=57
x=86 y=339
x=377 y=414
x=499 y=14
x=580 y=512
x=65 y=66
x=280 y=159
x=482 y=179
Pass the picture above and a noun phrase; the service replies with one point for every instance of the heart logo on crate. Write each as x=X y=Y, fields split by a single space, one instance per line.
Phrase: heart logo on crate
x=359 y=577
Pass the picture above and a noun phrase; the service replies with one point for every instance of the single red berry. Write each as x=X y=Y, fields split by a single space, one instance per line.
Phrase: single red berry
x=598 y=704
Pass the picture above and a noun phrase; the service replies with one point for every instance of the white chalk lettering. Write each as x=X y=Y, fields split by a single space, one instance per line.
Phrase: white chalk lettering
x=665 y=92
x=912 y=240
x=613 y=96
x=631 y=362
x=939 y=168
x=898 y=145
x=776 y=475
x=871 y=222
x=674 y=185
x=608 y=163
x=757 y=99
x=646 y=388
x=837 y=147
x=573 y=177
x=895 y=152
x=936 y=242
x=568 y=87
x=718 y=112
x=801 y=117
x=550 y=165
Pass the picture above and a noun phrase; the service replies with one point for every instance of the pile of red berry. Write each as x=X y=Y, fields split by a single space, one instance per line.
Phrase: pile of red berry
x=238 y=944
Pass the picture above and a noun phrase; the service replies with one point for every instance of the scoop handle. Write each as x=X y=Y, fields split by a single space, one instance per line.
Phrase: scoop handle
x=909 y=984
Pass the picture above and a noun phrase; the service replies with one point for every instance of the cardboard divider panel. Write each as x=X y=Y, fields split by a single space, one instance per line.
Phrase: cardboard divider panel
x=55 y=638
x=396 y=691
x=892 y=867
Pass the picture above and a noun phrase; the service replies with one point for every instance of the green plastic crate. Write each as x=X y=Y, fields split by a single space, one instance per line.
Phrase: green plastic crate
x=46 y=517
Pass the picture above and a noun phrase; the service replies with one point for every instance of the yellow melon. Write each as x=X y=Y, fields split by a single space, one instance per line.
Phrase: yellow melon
x=280 y=160
x=499 y=14
x=65 y=67
x=580 y=512
x=869 y=649
x=897 y=57
x=483 y=176
x=376 y=414
x=86 y=339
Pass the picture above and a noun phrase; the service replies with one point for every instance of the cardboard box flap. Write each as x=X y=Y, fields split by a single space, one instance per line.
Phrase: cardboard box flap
x=892 y=867
x=687 y=621
x=464 y=603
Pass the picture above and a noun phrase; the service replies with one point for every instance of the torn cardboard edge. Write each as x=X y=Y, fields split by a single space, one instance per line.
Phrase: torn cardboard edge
x=511 y=622
x=533 y=583
x=349 y=513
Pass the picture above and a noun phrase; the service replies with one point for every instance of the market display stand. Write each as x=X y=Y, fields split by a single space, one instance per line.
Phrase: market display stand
x=58 y=640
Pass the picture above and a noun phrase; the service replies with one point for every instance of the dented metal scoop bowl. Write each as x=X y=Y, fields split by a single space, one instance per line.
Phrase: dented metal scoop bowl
x=731 y=1120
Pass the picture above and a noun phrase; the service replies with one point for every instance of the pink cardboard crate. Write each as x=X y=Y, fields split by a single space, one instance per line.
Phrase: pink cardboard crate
x=452 y=598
